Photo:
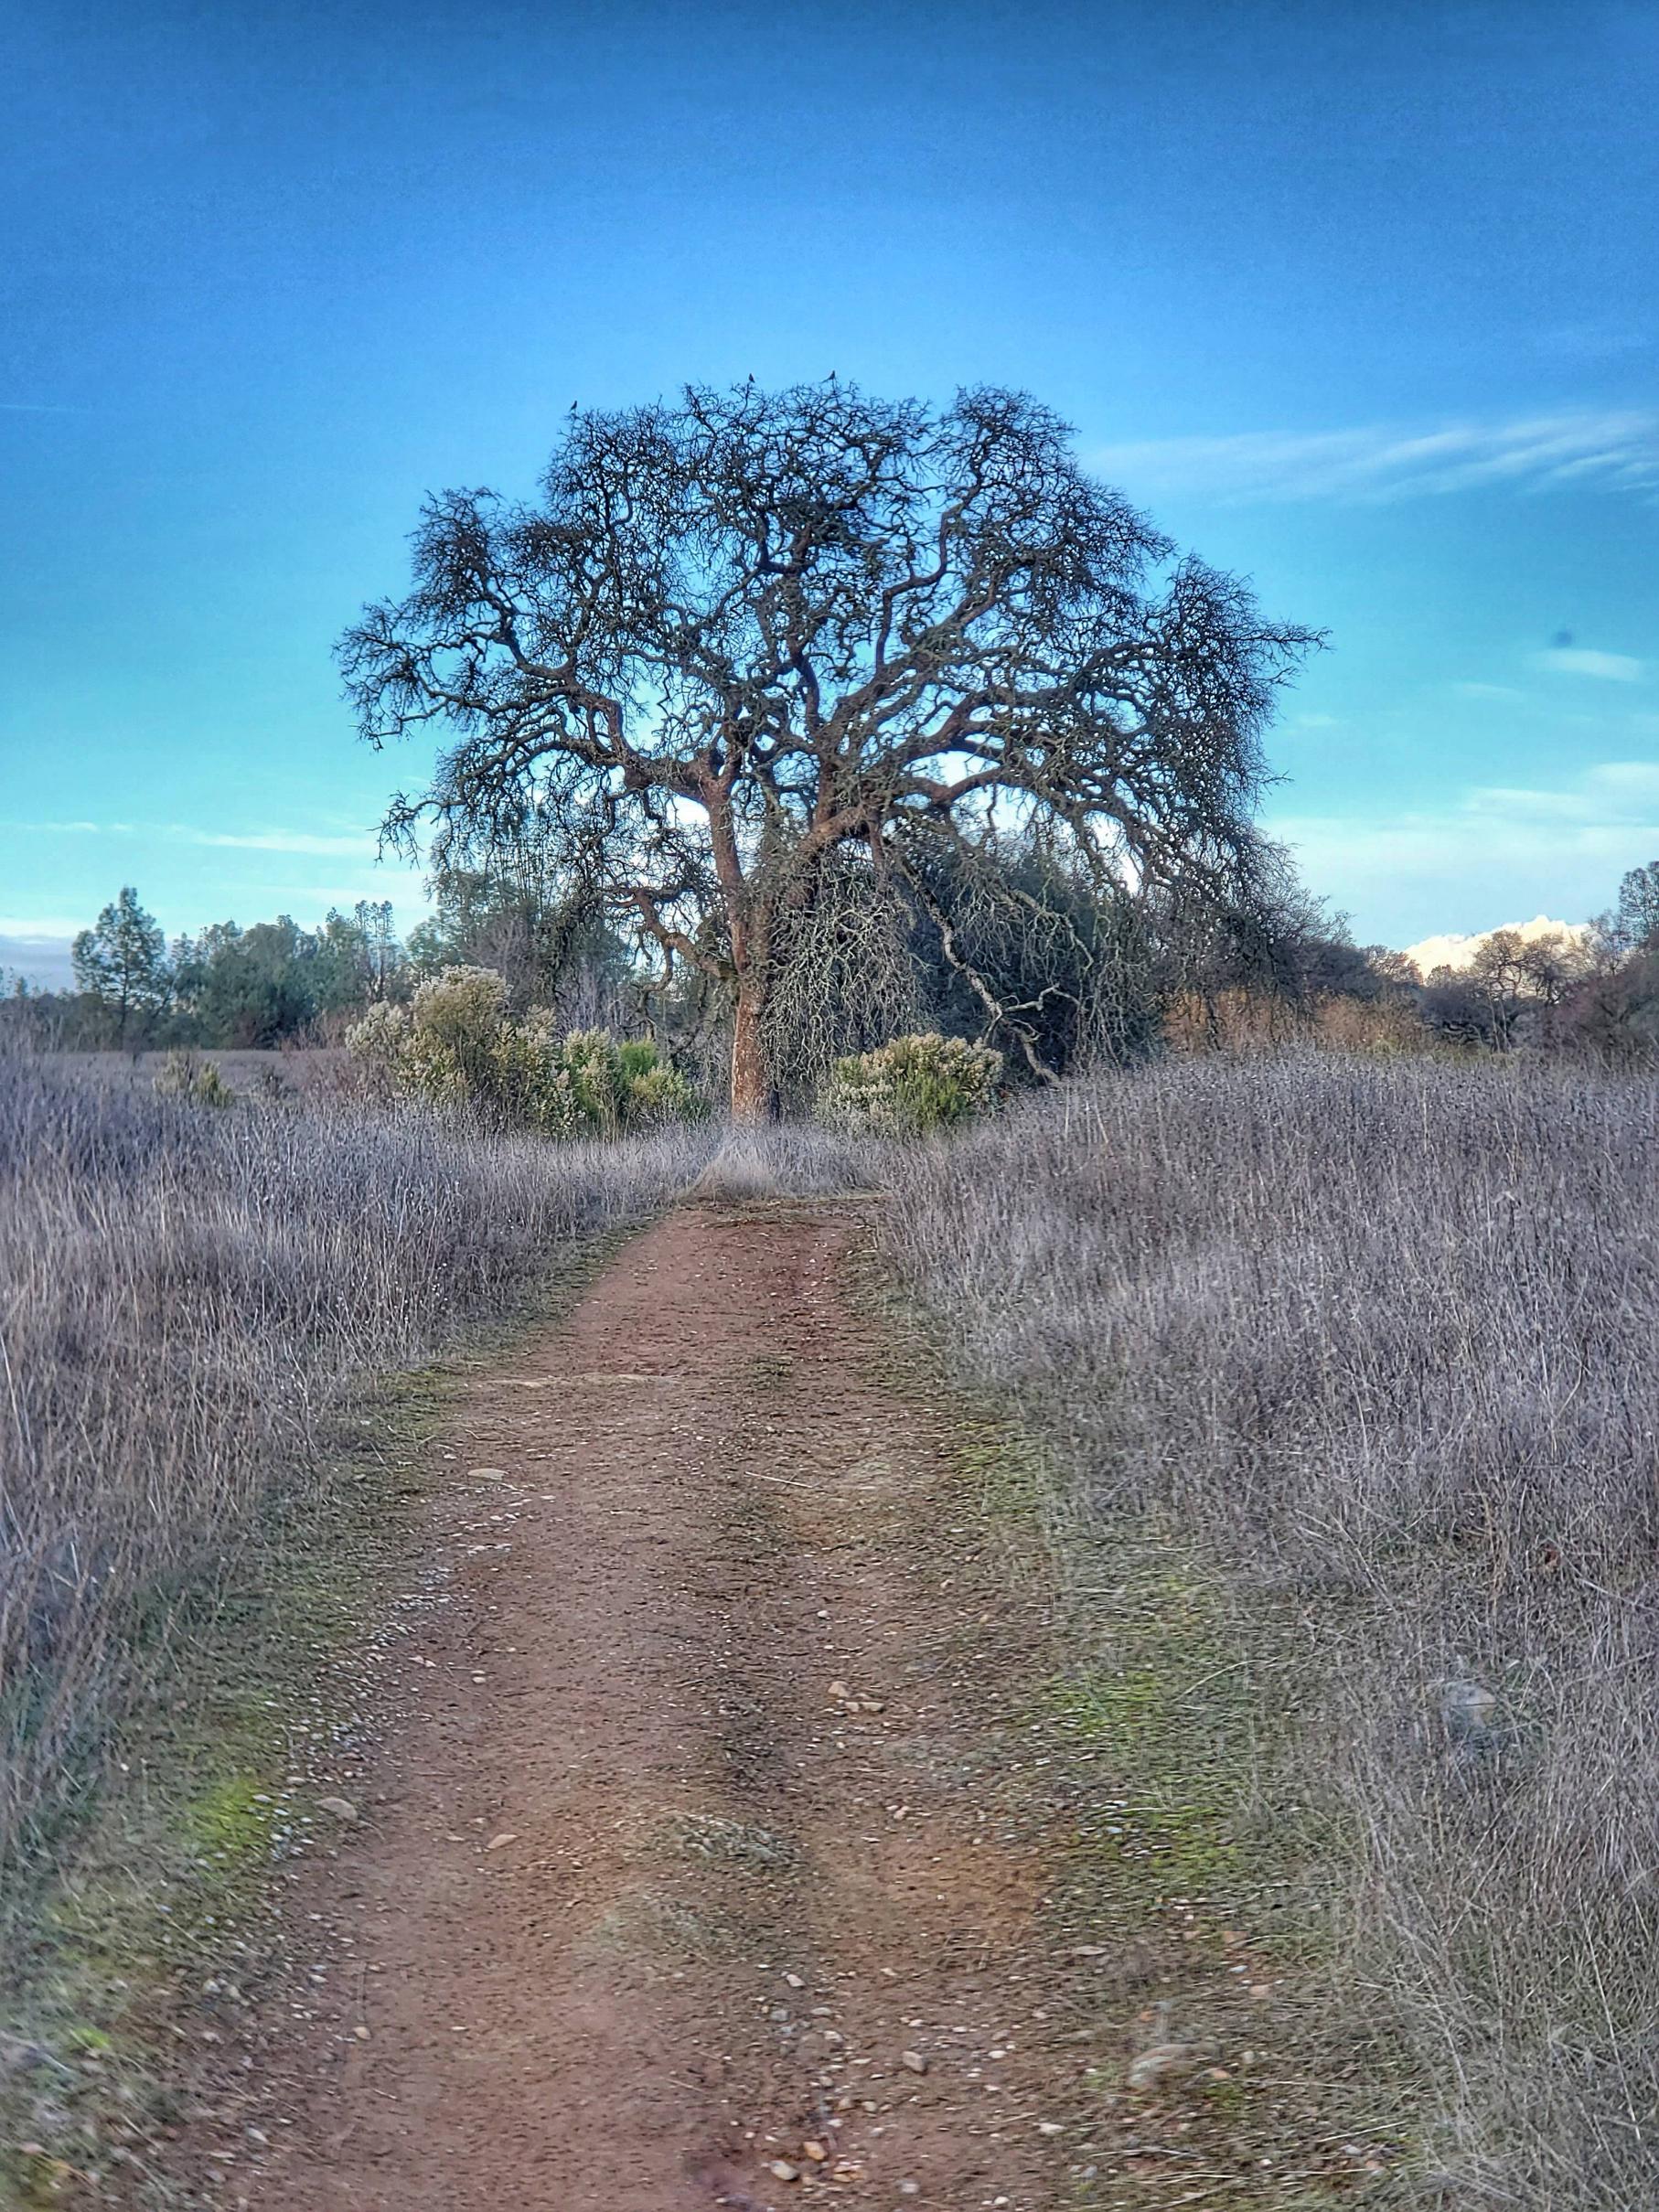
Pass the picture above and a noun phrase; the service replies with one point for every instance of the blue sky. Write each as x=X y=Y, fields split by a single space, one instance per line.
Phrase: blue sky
x=1360 y=300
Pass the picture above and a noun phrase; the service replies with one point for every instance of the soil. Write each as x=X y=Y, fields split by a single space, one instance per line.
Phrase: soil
x=700 y=1849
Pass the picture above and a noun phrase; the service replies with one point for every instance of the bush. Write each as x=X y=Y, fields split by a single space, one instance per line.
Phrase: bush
x=180 y=1075
x=656 y=1095
x=1241 y=1020
x=912 y=1087
x=457 y=1046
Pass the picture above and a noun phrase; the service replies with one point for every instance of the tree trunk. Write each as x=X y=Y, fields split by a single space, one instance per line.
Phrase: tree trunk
x=751 y=1077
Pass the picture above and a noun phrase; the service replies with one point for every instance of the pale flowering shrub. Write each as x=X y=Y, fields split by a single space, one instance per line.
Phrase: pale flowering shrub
x=658 y=1094
x=912 y=1087
x=462 y=1011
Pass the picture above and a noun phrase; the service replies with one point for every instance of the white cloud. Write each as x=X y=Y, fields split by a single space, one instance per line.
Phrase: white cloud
x=1456 y=950
x=1615 y=793
x=1581 y=660
x=398 y=884
x=1639 y=778
x=1593 y=341
x=350 y=845
x=1609 y=450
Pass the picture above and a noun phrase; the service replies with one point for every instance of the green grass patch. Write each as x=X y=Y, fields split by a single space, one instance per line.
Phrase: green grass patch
x=1192 y=1882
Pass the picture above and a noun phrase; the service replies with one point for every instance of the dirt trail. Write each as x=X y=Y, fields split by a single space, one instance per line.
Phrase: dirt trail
x=686 y=1855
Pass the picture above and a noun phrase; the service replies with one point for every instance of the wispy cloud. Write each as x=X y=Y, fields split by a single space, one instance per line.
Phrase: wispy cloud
x=399 y=885
x=1508 y=693
x=318 y=845
x=1609 y=450
x=1594 y=341
x=1582 y=661
x=353 y=846
x=1613 y=794
x=37 y=955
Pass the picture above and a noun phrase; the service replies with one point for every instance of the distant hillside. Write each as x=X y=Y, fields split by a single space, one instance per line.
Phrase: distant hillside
x=1456 y=952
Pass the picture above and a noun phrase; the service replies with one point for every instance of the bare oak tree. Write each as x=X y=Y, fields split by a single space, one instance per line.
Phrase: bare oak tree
x=737 y=634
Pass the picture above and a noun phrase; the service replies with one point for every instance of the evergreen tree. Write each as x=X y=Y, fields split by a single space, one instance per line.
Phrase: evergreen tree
x=122 y=964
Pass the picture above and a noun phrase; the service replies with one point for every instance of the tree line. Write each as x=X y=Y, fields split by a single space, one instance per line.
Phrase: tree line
x=276 y=983
x=1596 y=990
x=780 y=723
x=1095 y=978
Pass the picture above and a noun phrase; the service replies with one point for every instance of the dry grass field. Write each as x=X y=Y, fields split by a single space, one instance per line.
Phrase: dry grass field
x=1342 y=1366
x=186 y=1297
x=309 y=1071
x=1378 y=1339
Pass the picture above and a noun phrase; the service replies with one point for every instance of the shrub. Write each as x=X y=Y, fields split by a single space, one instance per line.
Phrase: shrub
x=457 y=1046
x=380 y=1045
x=1240 y=1019
x=911 y=1086
x=604 y=1086
x=180 y=1075
x=595 y=1073
x=658 y=1094
x=456 y=1026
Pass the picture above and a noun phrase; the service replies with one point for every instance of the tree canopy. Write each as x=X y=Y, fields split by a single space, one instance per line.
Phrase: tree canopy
x=122 y=965
x=1634 y=924
x=738 y=631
